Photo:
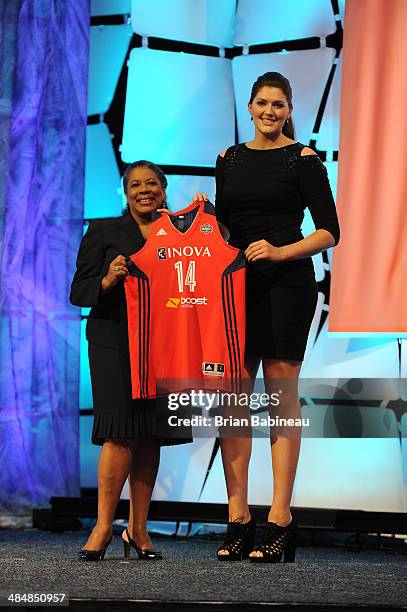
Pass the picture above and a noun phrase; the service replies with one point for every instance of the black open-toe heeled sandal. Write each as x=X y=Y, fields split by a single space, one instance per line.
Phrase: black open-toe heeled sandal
x=238 y=541
x=94 y=555
x=277 y=541
x=147 y=554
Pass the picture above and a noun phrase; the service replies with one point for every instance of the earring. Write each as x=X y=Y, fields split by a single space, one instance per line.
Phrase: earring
x=251 y=117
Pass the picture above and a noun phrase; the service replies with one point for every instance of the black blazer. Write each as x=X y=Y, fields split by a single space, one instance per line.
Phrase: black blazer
x=105 y=240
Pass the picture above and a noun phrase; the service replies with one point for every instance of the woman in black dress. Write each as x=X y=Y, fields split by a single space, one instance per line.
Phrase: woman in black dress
x=127 y=429
x=262 y=189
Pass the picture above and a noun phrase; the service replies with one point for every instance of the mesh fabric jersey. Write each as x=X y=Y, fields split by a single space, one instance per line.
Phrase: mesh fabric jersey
x=185 y=297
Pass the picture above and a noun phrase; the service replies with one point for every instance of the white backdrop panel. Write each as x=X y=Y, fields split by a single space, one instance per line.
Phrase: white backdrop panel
x=262 y=21
x=341 y=4
x=328 y=135
x=260 y=477
x=314 y=327
x=350 y=421
x=208 y=22
x=332 y=168
x=307 y=72
x=403 y=368
x=102 y=178
x=182 y=471
x=188 y=118
x=181 y=188
x=403 y=429
x=355 y=474
x=85 y=388
x=339 y=360
x=108 y=48
x=307 y=228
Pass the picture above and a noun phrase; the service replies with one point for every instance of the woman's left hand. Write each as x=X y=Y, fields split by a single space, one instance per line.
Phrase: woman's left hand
x=261 y=249
x=200 y=196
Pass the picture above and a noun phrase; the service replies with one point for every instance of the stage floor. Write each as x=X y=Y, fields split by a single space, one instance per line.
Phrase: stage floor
x=190 y=573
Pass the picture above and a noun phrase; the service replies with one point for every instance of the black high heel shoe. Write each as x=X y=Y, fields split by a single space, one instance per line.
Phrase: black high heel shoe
x=277 y=541
x=238 y=541
x=146 y=553
x=94 y=555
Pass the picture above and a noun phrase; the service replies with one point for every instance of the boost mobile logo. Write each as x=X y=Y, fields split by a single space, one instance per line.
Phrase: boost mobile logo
x=186 y=302
x=173 y=302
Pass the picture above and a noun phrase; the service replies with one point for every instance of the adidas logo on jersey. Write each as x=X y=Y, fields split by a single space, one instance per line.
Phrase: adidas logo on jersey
x=210 y=368
x=161 y=232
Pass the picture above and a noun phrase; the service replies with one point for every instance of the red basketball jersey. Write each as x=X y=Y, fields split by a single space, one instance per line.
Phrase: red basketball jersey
x=186 y=306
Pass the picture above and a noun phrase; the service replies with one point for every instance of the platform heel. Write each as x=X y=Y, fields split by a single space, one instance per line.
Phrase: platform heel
x=279 y=542
x=239 y=540
x=289 y=552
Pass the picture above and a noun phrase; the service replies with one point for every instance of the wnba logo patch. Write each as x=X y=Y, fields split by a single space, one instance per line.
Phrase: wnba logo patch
x=206 y=228
x=162 y=253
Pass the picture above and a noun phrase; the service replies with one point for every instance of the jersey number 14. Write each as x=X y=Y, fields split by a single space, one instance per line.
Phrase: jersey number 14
x=189 y=277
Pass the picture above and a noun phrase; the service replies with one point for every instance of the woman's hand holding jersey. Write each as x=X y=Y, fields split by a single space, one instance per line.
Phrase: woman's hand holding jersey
x=195 y=198
x=117 y=271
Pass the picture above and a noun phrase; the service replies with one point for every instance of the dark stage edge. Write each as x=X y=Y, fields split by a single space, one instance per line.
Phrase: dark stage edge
x=190 y=577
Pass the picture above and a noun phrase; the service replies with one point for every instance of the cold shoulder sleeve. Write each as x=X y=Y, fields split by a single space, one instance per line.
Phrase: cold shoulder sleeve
x=221 y=213
x=317 y=195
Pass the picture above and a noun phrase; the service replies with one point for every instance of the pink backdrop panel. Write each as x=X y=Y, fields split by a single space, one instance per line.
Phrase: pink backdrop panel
x=369 y=273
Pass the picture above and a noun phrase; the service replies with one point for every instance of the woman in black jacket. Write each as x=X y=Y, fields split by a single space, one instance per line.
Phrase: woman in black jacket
x=127 y=429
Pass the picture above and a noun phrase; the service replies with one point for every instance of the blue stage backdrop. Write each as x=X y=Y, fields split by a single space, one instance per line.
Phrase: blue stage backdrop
x=44 y=44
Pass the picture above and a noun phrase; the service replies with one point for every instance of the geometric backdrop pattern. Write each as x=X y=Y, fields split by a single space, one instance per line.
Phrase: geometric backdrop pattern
x=212 y=71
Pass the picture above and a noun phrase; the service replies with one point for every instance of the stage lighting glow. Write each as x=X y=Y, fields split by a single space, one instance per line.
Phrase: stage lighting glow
x=179 y=108
x=109 y=7
x=108 y=48
x=208 y=22
x=181 y=188
x=262 y=21
x=308 y=228
x=85 y=387
x=352 y=473
x=307 y=72
x=328 y=136
x=336 y=357
x=102 y=178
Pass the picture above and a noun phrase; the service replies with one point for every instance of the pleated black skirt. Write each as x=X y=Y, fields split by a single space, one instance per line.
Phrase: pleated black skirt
x=116 y=415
